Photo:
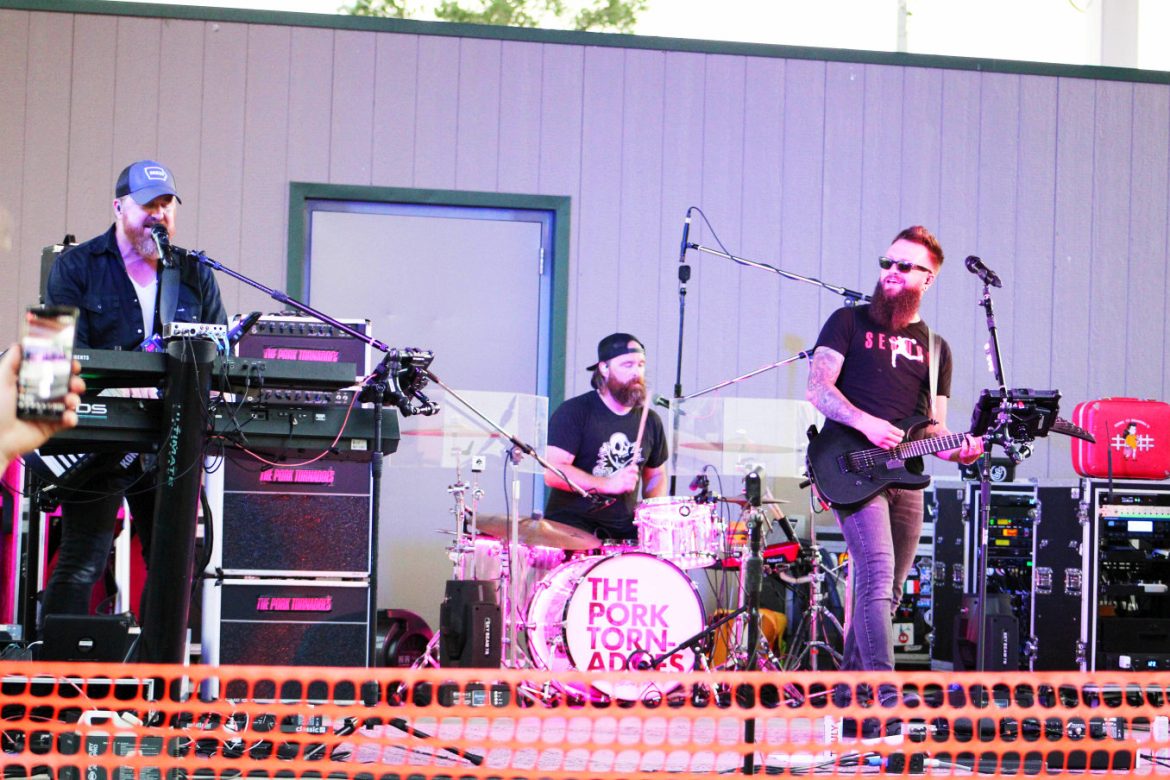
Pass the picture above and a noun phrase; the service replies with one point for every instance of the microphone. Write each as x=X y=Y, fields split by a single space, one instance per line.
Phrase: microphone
x=700 y=481
x=985 y=274
x=753 y=487
x=682 y=250
x=162 y=241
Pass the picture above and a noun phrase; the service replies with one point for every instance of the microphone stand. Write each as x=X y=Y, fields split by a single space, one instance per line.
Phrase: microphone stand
x=985 y=488
x=852 y=297
x=802 y=355
x=684 y=276
x=753 y=582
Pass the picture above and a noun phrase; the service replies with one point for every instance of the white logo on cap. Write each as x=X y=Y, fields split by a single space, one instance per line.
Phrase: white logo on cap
x=155 y=172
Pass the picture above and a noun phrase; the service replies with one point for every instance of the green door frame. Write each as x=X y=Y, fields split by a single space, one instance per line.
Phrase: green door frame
x=300 y=193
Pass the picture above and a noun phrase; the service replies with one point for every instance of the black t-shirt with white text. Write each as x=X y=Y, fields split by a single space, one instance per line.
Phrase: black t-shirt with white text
x=602 y=443
x=886 y=371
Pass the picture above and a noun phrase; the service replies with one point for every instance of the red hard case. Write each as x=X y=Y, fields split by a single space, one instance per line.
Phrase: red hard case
x=1136 y=431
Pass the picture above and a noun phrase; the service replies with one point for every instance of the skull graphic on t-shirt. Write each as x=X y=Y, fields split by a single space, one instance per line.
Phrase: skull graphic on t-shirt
x=614 y=455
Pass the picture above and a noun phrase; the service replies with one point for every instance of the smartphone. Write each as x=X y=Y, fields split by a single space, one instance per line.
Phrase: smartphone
x=46 y=344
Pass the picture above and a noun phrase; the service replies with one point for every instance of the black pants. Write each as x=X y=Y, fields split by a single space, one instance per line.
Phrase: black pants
x=88 y=519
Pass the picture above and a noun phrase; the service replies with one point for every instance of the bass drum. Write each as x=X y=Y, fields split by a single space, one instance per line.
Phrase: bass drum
x=601 y=613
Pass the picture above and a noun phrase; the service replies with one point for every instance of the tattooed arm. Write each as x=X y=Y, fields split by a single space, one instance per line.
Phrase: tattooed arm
x=822 y=393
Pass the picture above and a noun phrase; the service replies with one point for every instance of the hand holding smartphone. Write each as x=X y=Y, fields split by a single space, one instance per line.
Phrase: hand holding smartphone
x=46 y=345
x=20 y=433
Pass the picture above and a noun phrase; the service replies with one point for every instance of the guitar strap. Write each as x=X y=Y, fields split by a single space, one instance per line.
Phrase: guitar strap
x=168 y=293
x=932 y=345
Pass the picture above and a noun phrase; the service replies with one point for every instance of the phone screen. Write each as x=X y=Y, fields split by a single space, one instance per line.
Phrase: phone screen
x=46 y=345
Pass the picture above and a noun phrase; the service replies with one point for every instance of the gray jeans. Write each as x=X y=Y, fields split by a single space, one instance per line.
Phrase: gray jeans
x=881 y=536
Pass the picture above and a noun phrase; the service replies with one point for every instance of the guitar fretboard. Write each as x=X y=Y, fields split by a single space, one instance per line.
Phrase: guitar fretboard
x=865 y=459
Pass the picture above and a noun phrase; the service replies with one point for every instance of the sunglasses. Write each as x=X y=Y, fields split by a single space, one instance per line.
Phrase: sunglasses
x=905 y=266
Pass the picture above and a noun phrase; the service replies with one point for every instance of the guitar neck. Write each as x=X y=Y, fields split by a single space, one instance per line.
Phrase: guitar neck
x=915 y=449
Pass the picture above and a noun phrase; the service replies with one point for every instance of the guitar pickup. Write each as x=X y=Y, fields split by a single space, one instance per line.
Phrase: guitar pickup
x=895 y=463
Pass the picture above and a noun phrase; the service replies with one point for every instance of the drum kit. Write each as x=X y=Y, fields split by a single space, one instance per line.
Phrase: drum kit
x=570 y=602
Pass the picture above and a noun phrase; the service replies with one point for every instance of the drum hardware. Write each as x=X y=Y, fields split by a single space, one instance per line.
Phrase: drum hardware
x=811 y=635
x=752 y=583
x=517 y=449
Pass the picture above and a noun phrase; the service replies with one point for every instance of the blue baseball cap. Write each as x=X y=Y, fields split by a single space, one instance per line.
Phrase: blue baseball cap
x=144 y=181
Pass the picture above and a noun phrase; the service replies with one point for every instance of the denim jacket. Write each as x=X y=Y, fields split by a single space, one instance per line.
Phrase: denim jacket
x=92 y=277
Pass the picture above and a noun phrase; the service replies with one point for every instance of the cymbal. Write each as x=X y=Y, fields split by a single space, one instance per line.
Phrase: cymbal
x=539 y=532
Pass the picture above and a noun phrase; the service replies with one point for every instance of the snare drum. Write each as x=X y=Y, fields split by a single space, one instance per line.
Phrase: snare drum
x=595 y=614
x=678 y=530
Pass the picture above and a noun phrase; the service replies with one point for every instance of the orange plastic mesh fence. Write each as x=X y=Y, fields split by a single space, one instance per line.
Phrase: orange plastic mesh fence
x=116 y=722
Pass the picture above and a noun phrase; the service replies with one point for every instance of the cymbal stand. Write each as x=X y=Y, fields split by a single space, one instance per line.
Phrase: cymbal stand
x=465 y=536
x=812 y=621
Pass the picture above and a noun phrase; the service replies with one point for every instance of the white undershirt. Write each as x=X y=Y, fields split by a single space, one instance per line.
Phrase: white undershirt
x=147 y=295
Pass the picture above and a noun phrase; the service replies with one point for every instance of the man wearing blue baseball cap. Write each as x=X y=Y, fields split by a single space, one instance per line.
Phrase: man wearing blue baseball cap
x=594 y=439
x=114 y=280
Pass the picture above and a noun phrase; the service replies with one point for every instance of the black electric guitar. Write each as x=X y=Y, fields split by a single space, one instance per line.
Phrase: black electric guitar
x=848 y=470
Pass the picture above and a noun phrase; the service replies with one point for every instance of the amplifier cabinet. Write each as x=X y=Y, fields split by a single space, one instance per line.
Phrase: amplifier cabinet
x=290 y=337
x=288 y=622
x=308 y=521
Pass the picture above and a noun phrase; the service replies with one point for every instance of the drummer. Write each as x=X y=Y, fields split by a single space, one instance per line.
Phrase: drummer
x=594 y=438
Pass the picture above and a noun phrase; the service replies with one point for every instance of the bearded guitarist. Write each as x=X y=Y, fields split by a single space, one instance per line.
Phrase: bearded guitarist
x=872 y=368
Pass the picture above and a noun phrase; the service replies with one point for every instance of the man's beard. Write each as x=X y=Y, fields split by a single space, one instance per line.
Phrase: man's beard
x=894 y=310
x=146 y=247
x=142 y=241
x=630 y=394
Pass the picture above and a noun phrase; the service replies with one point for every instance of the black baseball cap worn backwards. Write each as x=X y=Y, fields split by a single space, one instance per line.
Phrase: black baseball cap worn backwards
x=616 y=345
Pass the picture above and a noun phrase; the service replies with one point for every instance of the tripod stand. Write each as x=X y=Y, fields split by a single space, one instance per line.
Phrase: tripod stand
x=812 y=635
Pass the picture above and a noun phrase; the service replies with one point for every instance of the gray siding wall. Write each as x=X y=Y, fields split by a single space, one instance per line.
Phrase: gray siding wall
x=1059 y=183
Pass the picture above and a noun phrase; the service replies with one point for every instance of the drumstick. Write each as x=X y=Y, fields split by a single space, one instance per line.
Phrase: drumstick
x=638 y=441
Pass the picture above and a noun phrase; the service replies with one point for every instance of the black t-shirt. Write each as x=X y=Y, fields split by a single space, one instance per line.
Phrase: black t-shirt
x=886 y=372
x=602 y=443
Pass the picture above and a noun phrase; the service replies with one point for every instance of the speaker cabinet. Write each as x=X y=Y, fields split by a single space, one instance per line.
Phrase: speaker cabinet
x=295 y=623
x=1001 y=648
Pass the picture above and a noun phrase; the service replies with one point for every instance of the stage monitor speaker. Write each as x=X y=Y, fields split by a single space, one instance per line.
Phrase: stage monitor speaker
x=1001 y=651
x=470 y=625
x=87 y=637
